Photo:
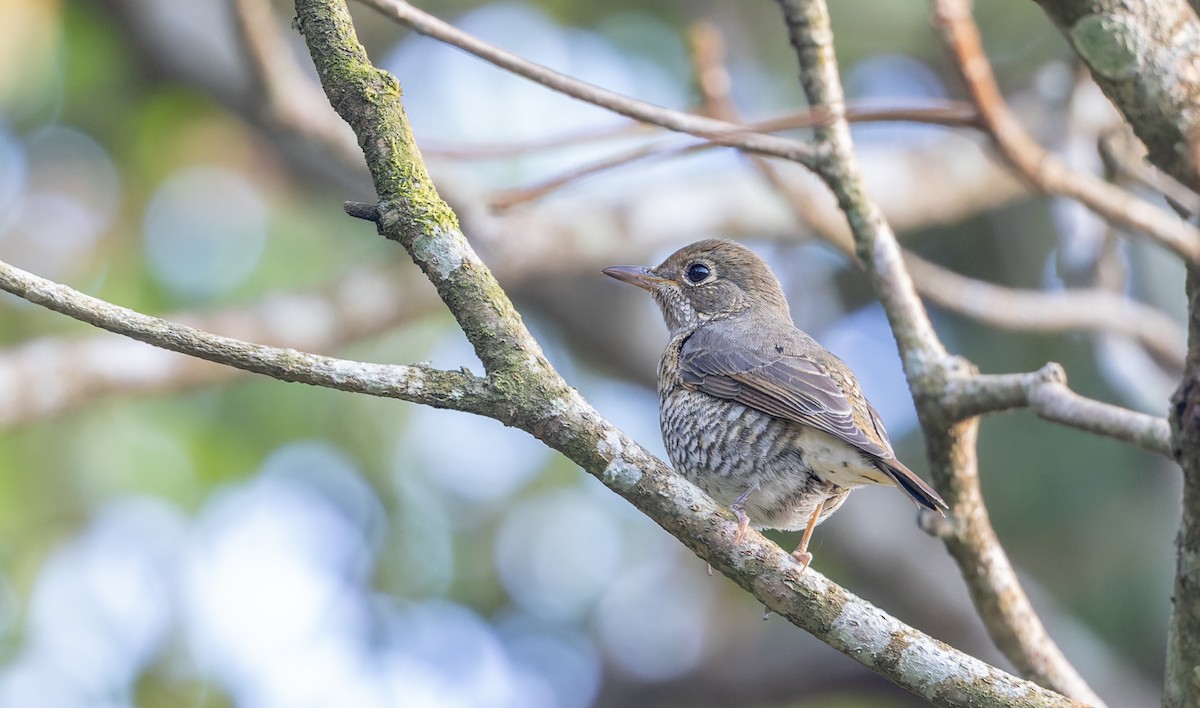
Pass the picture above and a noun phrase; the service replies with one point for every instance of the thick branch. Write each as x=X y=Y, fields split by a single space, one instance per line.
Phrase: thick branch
x=1144 y=57
x=410 y=209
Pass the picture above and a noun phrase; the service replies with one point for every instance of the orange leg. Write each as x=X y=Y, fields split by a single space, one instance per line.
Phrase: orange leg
x=801 y=553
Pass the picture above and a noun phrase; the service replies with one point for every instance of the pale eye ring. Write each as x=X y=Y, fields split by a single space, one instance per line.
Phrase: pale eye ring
x=698 y=272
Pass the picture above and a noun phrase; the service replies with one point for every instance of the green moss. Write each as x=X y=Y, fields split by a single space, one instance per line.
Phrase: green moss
x=1106 y=44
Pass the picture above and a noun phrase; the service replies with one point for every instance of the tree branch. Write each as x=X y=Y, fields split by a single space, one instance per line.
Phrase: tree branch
x=359 y=305
x=416 y=383
x=1046 y=392
x=968 y=533
x=1076 y=309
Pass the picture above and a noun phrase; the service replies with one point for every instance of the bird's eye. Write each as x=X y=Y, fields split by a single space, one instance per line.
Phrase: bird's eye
x=697 y=272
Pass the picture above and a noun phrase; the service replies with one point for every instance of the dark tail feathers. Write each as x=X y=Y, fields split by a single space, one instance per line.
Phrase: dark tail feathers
x=917 y=489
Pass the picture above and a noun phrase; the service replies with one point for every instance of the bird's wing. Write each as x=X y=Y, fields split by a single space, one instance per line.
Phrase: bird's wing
x=778 y=379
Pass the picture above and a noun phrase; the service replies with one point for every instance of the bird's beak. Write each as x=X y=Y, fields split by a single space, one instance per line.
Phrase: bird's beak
x=640 y=276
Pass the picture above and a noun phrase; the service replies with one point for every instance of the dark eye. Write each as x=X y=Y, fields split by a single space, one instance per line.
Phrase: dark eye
x=697 y=272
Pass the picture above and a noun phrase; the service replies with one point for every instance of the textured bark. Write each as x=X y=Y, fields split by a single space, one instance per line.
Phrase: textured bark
x=1146 y=57
x=1182 y=681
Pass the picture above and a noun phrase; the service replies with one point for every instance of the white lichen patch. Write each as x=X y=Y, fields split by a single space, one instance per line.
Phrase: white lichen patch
x=864 y=634
x=618 y=473
x=442 y=252
x=416 y=380
x=934 y=663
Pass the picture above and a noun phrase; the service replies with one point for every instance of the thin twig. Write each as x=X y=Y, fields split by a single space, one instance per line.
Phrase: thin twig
x=1092 y=309
x=665 y=149
x=418 y=383
x=720 y=132
x=509 y=198
x=1123 y=154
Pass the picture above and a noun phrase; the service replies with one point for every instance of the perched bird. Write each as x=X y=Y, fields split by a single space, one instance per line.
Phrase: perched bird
x=753 y=410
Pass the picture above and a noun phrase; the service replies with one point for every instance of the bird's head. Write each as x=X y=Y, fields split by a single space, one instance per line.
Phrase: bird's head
x=707 y=280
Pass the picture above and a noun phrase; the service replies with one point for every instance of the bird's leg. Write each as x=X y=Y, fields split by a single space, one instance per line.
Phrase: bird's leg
x=801 y=553
x=737 y=508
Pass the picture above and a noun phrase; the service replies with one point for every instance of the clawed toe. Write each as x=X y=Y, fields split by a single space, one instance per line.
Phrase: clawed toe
x=743 y=524
x=742 y=517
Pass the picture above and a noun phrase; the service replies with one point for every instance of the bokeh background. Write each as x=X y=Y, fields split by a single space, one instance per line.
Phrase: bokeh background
x=172 y=535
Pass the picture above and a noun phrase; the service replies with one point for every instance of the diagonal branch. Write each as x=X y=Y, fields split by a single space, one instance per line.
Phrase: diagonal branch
x=417 y=383
x=717 y=131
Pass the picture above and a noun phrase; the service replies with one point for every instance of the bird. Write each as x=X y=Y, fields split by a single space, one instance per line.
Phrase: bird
x=753 y=410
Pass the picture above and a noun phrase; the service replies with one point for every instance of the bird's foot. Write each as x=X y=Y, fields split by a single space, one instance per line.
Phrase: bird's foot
x=801 y=554
x=743 y=523
x=743 y=518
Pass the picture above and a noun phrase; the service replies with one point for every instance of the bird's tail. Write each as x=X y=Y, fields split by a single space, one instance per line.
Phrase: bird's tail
x=918 y=490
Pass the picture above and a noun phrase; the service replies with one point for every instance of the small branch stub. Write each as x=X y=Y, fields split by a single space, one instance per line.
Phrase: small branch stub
x=362 y=210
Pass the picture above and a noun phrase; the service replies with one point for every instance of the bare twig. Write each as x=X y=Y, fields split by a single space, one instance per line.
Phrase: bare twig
x=664 y=149
x=1046 y=392
x=717 y=131
x=418 y=383
x=1123 y=154
x=1092 y=309
x=509 y=198
x=1041 y=168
